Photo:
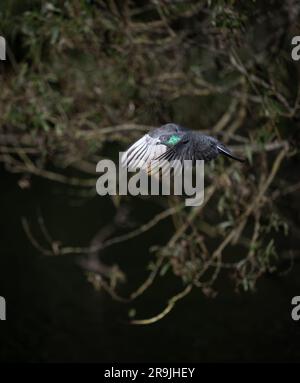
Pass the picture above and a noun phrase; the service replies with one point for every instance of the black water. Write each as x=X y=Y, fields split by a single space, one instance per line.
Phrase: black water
x=54 y=314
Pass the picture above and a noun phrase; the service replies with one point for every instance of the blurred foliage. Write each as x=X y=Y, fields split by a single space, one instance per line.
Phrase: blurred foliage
x=81 y=73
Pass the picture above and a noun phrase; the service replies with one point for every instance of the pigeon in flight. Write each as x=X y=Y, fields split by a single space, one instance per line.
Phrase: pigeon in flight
x=172 y=142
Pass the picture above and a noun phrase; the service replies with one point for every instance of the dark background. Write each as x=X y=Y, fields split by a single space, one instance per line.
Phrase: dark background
x=53 y=314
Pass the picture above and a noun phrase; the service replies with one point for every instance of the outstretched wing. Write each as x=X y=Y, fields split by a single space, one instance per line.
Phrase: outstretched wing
x=142 y=152
x=149 y=147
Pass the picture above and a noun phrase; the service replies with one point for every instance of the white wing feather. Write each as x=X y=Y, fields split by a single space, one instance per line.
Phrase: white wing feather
x=142 y=152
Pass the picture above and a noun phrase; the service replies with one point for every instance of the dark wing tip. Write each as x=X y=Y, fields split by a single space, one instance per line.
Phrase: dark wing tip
x=227 y=153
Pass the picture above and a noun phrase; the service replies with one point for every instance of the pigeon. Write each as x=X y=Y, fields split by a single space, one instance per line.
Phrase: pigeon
x=172 y=142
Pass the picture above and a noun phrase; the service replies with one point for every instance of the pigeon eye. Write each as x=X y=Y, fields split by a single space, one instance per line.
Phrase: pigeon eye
x=163 y=138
